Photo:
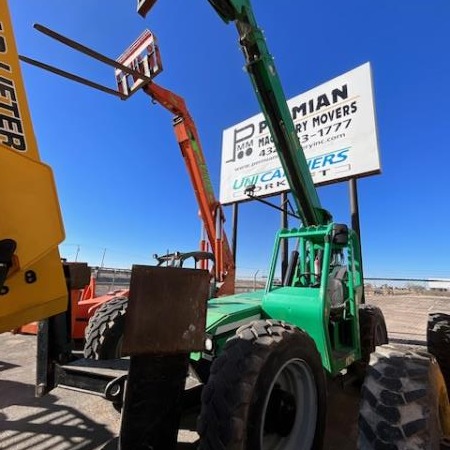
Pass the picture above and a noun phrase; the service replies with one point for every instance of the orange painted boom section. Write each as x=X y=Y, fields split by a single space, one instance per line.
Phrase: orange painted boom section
x=210 y=208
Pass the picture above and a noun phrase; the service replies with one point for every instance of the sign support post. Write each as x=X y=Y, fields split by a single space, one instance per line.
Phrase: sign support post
x=284 y=244
x=234 y=231
x=354 y=211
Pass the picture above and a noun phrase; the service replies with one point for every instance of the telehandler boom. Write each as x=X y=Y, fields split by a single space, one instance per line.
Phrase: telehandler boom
x=148 y=63
x=145 y=57
x=135 y=70
x=267 y=86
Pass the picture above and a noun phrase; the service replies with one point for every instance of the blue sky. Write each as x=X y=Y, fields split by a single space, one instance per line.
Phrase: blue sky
x=121 y=179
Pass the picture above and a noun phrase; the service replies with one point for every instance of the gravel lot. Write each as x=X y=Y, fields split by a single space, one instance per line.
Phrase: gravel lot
x=72 y=420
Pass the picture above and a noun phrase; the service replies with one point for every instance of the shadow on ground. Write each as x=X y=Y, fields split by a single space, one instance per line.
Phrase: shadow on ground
x=42 y=424
x=113 y=445
x=4 y=366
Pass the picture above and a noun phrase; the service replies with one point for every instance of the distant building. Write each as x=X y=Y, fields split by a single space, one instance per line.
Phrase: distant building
x=441 y=284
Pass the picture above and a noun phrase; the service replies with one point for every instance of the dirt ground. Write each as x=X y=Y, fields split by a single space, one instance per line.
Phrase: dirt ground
x=72 y=420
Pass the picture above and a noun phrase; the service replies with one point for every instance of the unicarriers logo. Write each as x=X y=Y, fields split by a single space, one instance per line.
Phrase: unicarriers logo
x=276 y=179
x=11 y=126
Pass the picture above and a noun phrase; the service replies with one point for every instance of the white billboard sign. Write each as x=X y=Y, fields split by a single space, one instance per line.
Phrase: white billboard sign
x=335 y=123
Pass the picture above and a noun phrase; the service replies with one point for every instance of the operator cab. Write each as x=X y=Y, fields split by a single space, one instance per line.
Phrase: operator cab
x=322 y=283
x=306 y=268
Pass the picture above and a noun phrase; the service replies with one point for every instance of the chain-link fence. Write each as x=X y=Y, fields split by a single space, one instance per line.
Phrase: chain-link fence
x=405 y=302
x=372 y=286
x=405 y=286
x=110 y=279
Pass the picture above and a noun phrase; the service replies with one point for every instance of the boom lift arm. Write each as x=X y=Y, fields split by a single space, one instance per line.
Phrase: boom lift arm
x=210 y=209
x=267 y=85
x=140 y=63
x=143 y=56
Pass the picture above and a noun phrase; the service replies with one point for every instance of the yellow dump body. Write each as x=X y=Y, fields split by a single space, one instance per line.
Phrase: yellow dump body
x=30 y=215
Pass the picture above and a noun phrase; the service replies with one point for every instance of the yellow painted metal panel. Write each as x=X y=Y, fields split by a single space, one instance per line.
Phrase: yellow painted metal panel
x=16 y=129
x=26 y=302
x=30 y=215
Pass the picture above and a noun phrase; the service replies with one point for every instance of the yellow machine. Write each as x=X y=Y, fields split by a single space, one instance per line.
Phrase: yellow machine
x=32 y=282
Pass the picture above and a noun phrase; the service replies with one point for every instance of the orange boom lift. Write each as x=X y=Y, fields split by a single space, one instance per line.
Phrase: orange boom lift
x=144 y=58
x=135 y=70
x=143 y=61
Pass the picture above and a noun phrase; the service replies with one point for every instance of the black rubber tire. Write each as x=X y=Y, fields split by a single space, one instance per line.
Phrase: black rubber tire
x=104 y=332
x=438 y=342
x=404 y=402
x=372 y=332
x=241 y=379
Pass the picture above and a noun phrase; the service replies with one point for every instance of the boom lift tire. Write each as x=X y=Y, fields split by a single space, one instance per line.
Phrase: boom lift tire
x=373 y=332
x=438 y=342
x=404 y=403
x=104 y=333
x=267 y=389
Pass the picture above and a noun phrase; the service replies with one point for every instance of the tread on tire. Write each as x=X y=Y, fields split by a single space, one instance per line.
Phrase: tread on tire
x=104 y=332
x=236 y=416
x=404 y=402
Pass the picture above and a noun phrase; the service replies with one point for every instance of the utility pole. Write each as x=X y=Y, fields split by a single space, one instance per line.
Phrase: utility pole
x=103 y=257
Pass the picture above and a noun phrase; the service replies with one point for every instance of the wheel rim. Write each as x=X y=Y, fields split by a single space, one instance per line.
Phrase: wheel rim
x=289 y=413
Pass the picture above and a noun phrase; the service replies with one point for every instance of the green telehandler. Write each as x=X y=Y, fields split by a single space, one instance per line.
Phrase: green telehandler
x=273 y=349
x=269 y=353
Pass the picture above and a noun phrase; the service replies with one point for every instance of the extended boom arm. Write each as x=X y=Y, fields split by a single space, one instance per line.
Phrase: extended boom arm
x=143 y=56
x=210 y=209
x=272 y=100
x=135 y=70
